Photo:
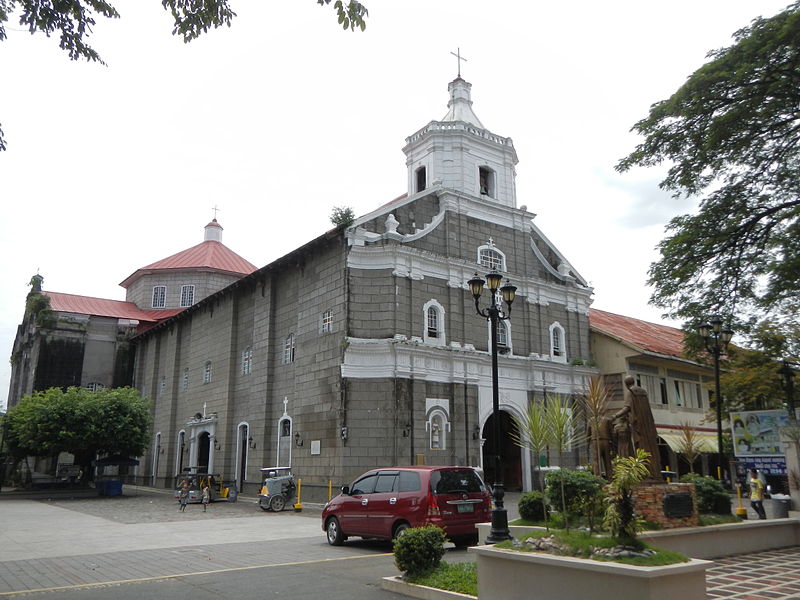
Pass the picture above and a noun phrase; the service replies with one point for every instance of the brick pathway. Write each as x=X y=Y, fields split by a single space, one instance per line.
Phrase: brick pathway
x=772 y=575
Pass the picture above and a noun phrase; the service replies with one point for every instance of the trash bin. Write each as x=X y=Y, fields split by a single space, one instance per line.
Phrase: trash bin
x=780 y=506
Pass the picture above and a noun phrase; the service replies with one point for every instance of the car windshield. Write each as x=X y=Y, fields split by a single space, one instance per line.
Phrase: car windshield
x=451 y=481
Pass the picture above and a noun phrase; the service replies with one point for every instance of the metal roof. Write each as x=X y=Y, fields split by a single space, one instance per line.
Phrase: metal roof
x=102 y=307
x=205 y=255
x=647 y=337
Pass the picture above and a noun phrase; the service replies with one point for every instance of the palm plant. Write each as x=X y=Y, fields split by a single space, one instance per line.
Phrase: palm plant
x=562 y=425
x=532 y=433
x=595 y=402
x=688 y=443
x=620 y=519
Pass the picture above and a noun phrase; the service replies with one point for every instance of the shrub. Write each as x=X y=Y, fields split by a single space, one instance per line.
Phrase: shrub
x=419 y=550
x=711 y=496
x=531 y=506
x=582 y=490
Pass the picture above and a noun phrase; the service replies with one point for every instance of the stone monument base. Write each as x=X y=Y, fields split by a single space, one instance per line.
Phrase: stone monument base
x=668 y=504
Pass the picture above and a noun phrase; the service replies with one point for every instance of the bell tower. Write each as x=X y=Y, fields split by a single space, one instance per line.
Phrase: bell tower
x=459 y=153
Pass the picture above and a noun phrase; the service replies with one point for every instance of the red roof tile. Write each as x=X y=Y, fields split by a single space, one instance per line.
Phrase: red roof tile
x=103 y=307
x=205 y=255
x=649 y=337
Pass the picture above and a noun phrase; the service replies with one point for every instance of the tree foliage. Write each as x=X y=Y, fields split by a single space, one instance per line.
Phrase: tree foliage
x=731 y=135
x=82 y=422
x=73 y=20
x=342 y=216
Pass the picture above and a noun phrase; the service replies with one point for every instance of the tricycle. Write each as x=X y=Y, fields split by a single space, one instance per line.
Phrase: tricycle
x=278 y=488
x=219 y=490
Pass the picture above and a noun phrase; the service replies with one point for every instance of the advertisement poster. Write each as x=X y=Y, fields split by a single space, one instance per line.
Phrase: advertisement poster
x=756 y=432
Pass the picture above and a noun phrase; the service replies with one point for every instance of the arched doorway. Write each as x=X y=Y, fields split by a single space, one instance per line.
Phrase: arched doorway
x=203 y=451
x=510 y=453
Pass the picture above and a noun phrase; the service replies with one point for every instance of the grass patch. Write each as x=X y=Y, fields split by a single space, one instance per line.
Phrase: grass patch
x=458 y=577
x=580 y=545
x=708 y=519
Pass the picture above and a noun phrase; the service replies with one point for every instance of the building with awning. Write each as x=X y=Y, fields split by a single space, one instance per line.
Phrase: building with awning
x=679 y=389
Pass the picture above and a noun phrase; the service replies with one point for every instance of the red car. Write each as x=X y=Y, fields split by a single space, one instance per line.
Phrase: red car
x=383 y=503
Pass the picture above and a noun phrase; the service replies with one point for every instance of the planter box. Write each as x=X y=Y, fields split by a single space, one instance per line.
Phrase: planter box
x=423 y=592
x=715 y=541
x=511 y=575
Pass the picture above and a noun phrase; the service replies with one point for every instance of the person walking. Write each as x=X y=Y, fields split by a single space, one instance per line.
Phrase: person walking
x=757 y=494
x=206 y=496
x=183 y=495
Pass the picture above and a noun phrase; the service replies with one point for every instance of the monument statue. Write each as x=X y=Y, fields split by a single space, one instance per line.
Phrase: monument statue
x=642 y=426
x=601 y=439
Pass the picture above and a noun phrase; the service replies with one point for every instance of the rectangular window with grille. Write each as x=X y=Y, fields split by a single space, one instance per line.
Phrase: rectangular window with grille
x=187 y=295
x=247 y=361
x=159 y=296
x=326 y=325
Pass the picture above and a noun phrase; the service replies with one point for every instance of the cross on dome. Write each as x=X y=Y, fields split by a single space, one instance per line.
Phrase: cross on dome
x=459 y=59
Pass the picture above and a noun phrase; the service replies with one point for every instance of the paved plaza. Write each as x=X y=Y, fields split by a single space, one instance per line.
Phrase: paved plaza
x=63 y=545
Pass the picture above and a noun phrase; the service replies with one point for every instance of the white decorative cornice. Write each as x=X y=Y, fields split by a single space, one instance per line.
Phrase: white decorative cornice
x=390 y=358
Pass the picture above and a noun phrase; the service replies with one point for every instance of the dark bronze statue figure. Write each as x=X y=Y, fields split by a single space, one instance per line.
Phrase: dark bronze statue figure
x=642 y=426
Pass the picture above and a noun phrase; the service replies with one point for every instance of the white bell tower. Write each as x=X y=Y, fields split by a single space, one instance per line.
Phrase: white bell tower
x=460 y=154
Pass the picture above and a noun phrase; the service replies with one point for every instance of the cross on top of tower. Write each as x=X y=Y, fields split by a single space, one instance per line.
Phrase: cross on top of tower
x=459 y=59
x=216 y=210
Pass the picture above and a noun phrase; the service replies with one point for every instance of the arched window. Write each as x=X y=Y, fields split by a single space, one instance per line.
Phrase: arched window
x=504 y=340
x=486 y=181
x=187 y=295
x=490 y=258
x=207 y=372
x=420 y=179
x=159 y=296
x=558 y=344
x=288 y=349
x=433 y=323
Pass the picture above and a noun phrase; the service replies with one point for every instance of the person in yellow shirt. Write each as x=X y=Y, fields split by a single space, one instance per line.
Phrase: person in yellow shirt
x=757 y=494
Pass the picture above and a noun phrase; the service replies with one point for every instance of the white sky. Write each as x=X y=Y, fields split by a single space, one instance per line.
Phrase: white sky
x=284 y=116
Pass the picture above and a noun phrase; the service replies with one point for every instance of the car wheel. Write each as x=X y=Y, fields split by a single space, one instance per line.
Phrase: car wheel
x=278 y=503
x=334 y=532
x=400 y=529
x=264 y=508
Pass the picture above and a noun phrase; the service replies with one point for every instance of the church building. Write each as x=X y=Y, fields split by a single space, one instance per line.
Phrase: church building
x=362 y=347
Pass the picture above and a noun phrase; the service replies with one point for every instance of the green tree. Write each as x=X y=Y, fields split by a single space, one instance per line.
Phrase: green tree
x=731 y=135
x=342 y=216
x=73 y=20
x=79 y=421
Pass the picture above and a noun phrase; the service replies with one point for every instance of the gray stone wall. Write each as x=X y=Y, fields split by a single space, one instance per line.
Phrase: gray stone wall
x=205 y=282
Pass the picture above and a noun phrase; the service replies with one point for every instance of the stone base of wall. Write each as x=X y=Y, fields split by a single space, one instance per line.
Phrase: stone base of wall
x=648 y=499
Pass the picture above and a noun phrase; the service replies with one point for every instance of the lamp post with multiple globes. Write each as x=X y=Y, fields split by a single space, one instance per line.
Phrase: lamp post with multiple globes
x=494 y=314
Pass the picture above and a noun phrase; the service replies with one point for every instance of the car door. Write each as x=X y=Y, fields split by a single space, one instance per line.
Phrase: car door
x=353 y=511
x=381 y=506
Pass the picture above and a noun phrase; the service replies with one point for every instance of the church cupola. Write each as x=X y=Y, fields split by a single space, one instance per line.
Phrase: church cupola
x=459 y=153
x=213 y=232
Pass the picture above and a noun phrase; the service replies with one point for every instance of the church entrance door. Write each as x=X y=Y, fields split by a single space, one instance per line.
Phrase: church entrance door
x=510 y=453
x=203 y=451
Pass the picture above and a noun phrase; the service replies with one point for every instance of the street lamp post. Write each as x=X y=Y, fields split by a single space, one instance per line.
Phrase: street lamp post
x=716 y=341
x=494 y=314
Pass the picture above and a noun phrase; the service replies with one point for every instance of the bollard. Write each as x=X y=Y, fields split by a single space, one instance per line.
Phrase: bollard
x=330 y=490
x=298 y=507
x=741 y=511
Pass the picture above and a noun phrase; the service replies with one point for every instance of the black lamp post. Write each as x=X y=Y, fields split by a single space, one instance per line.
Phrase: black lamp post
x=494 y=315
x=788 y=374
x=716 y=340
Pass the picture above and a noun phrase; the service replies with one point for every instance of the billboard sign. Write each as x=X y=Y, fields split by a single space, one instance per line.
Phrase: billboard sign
x=756 y=432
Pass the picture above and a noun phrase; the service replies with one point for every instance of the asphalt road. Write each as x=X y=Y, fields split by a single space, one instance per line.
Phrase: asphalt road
x=141 y=546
